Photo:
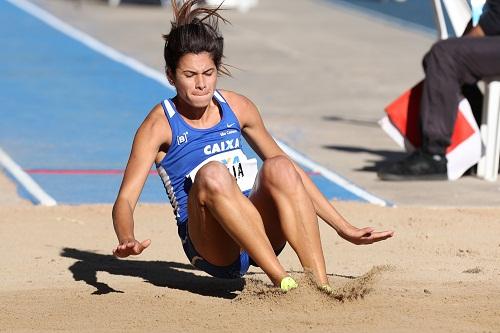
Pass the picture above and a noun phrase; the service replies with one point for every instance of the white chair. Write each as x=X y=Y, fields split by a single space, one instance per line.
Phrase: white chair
x=487 y=167
x=459 y=14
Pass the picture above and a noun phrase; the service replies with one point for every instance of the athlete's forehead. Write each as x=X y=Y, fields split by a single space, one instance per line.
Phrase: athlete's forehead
x=196 y=62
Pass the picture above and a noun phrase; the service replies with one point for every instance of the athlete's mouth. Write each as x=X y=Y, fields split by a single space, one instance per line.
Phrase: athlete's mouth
x=201 y=94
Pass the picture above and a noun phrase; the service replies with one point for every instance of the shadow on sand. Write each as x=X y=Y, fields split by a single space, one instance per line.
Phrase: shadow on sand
x=159 y=273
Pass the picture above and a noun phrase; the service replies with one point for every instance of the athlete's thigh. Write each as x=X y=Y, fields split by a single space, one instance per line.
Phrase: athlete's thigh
x=266 y=205
x=210 y=240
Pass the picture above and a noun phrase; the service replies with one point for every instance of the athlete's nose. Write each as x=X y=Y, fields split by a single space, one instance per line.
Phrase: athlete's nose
x=200 y=82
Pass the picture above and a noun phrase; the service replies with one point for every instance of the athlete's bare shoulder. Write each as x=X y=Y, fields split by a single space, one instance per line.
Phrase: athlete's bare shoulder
x=157 y=114
x=236 y=98
x=157 y=125
x=241 y=105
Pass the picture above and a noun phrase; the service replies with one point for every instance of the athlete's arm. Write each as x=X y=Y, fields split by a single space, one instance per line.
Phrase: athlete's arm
x=264 y=145
x=151 y=135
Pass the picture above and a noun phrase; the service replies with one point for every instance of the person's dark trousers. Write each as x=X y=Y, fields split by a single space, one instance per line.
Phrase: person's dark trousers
x=449 y=65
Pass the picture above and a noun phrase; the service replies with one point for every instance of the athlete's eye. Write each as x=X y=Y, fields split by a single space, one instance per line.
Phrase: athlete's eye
x=188 y=74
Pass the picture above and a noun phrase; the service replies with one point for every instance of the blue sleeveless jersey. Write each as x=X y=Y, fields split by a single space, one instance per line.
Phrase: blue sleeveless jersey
x=192 y=147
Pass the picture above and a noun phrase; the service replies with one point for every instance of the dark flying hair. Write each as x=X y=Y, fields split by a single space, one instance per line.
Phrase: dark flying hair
x=194 y=30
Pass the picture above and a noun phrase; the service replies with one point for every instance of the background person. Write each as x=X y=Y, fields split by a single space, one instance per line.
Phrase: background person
x=449 y=65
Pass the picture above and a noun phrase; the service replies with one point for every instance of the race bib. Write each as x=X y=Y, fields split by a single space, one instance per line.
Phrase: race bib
x=244 y=172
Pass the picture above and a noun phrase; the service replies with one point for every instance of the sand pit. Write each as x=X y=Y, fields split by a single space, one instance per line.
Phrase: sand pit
x=440 y=273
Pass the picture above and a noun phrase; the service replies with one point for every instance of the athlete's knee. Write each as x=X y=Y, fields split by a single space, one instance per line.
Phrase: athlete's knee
x=214 y=178
x=279 y=171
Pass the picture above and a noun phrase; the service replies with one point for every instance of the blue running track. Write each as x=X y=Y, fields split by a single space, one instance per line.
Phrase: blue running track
x=416 y=13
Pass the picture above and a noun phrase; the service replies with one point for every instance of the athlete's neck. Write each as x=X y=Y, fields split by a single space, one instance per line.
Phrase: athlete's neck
x=203 y=117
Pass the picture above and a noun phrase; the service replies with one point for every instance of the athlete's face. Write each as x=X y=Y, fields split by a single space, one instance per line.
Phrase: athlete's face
x=195 y=79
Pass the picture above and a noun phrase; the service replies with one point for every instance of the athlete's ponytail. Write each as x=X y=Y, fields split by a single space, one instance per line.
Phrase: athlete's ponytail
x=194 y=30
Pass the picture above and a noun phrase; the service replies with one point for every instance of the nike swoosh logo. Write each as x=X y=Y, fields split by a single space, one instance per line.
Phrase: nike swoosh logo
x=230 y=125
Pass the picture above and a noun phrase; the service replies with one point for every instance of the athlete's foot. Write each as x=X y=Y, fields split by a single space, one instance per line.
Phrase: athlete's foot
x=326 y=289
x=287 y=284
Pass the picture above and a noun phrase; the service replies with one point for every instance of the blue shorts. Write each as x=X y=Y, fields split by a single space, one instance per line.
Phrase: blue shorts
x=234 y=271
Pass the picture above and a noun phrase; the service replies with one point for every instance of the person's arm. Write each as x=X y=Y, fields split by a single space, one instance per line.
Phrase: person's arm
x=151 y=135
x=471 y=31
x=489 y=22
x=264 y=145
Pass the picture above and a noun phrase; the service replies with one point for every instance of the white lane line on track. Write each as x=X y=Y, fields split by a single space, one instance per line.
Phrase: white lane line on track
x=159 y=77
x=90 y=42
x=41 y=197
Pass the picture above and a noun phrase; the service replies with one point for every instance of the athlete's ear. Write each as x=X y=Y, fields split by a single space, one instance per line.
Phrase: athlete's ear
x=170 y=76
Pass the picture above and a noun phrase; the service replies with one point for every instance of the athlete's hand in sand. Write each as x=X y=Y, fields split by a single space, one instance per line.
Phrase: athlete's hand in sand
x=364 y=236
x=130 y=247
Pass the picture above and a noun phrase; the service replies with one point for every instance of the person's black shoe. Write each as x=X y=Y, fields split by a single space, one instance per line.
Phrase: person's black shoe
x=416 y=166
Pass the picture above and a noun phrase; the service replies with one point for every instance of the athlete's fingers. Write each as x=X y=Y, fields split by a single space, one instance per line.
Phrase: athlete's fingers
x=131 y=247
x=146 y=243
x=366 y=232
x=121 y=251
x=139 y=247
x=120 y=254
x=379 y=236
x=384 y=235
x=122 y=246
